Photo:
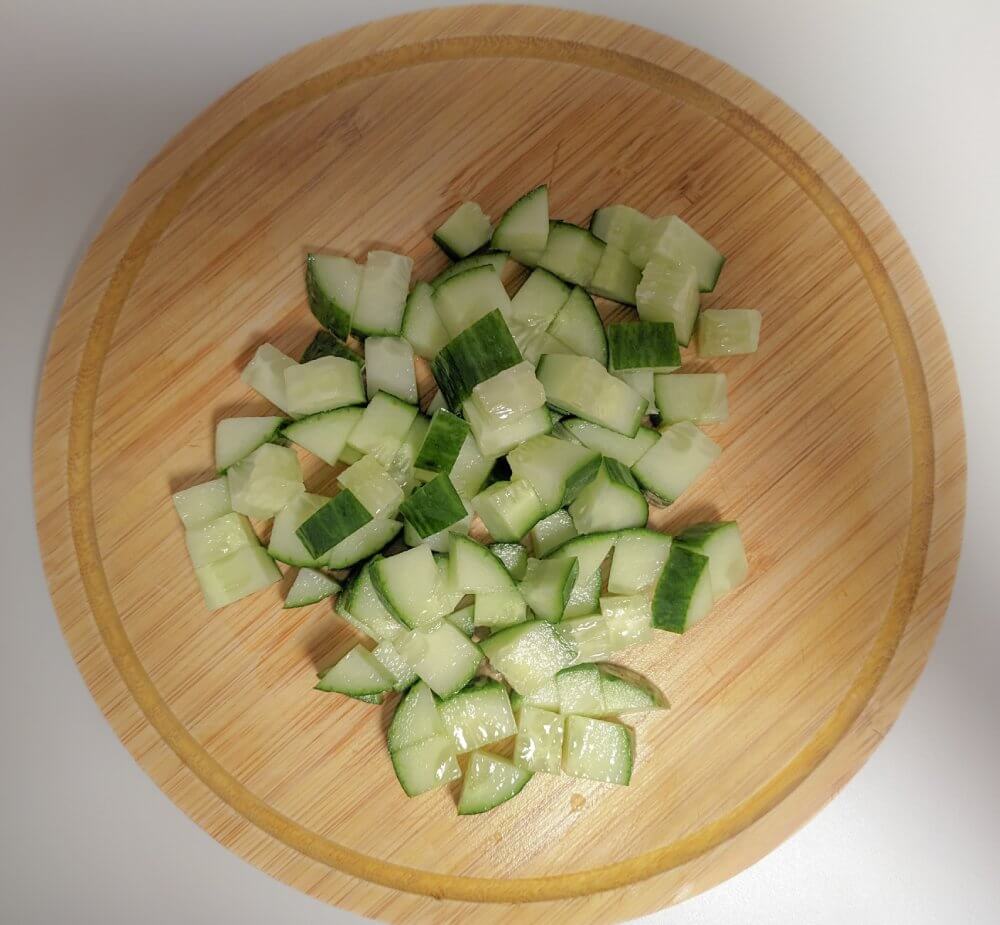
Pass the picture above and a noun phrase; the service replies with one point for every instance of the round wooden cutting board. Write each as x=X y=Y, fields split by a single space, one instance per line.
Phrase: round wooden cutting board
x=843 y=460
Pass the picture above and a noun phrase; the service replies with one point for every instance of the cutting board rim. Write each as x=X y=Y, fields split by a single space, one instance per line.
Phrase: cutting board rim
x=522 y=36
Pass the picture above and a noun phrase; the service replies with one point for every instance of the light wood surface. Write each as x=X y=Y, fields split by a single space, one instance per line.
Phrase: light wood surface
x=843 y=460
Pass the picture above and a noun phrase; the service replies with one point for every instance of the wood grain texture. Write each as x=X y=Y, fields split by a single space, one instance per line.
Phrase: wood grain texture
x=843 y=460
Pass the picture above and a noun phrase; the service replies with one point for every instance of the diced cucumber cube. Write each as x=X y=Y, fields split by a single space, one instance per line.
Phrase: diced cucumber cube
x=551 y=533
x=499 y=609
x=285 y=545
x=556 y=469
x=323 y=385
x=325 y=344
x=201 y=504
x=227 y=580
x=477 y=715
x=407 y=583
x=638 y=559
x=466 y=230
x=434 y=507
x=509 y=394
x=333 y=523
x=442 y=443
x=383 y=426
x=616 y=277
x=581 y=386
x=621 y=227
x=668 y=291
x=509 y=509
x=393 y=663
x=589 y=635
x=443 y=656
x=489 y=258
x=363 y=607
x=389 y=368
x=597 y=750
x=629 y=619
x=496 y=439
x=643 y=345
x=513 y=556
x=528 y=655
x=612 y=501
x=463 y=620
x=489 y=781
x=367 y=540
x=572 y=253
x=236 y=438
x=670 y=237
x=525 y=225
x=728 y=332
x=421 y=325
x=372 y=485
x=310 y=587
x=539 y=300
x=357 y=673
x=547 y=586
x=473 y=569
x=538 y=746
x=627 y=450
x=325 y=434
x=675 y=461
x=579 y=327
x=426 y=765
x=697 y=397
x=385 y=283
x=416 y=719
x=464 y=299
x=626 y=691
x=265 y=374
x=264 y=482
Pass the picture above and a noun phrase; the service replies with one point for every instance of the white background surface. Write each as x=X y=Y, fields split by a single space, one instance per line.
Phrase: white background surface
x=89 y=92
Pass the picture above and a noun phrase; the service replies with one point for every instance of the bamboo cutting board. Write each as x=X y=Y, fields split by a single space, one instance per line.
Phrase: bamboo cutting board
x=843 y=460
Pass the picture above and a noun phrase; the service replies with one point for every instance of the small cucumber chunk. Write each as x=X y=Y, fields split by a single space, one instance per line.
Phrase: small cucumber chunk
x=580 y=691
x=263 y=483
x=426 y=765
x=727 y=559
x=638 y=559
x=683 y=594
x=385 y=283
x=332 y=284
x=466 y=230
x=547 y=586
x=219 y=538
x=538 y=746
x=597 y=750
x=357 y=673
x=551 y=533
x=477 y=715
x=246 y=571
x=310 y=587
x=416 y=719
x=668 y=291
x=325 y=434
x=697 y=397
x=201 y=504
x=728 y=332
x=489 y=781
x=675 y=461
x=528 y=655
x=442 y=656
x=323 y=384
x=237 y=438
x=509 y=509
x=525 y=225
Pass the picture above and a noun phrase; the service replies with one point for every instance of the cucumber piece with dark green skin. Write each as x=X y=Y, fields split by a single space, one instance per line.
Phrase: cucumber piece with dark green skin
x=626 y=691
x=490 y=781
x=638 y=559
x=332 y=285
x=433 y=507
x=671 y=237
x=391 y=659
x=578 y=325
x=539 y=299
x=572 y=253
x=525 y=225
x=473 y=569
x=488 y=258
x=513 y=556
x=341 y=516
x=466 y=230
x=408 y=583
x=442 y=443
x=683 y=593
x=325 y=344
x=612 y=501
x=416 y=719
x=480 y=352
x=547 y=585
x=201 y=504
x=426 y=765
x=463 y=619
x=382 y=427
x=643 y=345
x=727 y=559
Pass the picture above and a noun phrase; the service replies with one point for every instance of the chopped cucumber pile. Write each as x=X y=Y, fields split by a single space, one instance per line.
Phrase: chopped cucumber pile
x=495 y=549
